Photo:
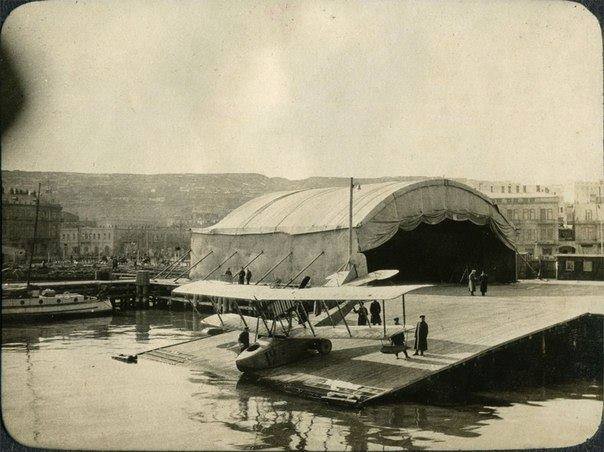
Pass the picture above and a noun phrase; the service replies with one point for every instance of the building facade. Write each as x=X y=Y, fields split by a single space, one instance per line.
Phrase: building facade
x=586 y=217
x=18 y=223
x=536 y=217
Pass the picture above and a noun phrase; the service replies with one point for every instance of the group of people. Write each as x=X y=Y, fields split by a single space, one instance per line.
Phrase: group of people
x=397 y=339
x=243 y=276
x=481 y=281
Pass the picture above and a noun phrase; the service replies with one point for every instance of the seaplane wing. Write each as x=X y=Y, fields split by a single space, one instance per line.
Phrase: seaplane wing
x=344 y=278
x=269 y=294
x=256 y=326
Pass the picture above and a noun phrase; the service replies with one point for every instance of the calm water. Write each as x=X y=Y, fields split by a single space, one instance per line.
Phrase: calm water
x=61 y=389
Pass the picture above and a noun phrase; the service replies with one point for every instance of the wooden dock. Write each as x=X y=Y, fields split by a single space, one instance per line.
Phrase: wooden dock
x=462 y=328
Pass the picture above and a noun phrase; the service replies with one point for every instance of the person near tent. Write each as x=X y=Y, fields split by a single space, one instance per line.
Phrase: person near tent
x=398 y=340
x=484 y=282
x=244 y=339
x=421 y=336
x=228 y=275
x=248 y=276
x=472 y=282
x=241 y=276
x=362 y=314
x=375 y=309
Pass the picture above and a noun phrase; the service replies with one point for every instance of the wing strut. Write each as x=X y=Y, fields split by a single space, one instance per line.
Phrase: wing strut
x=216 y=310
x=240 y=315
x=258 y=309
x=300 y=303
x=343 y=318
x=328 y=314
x=384 y=317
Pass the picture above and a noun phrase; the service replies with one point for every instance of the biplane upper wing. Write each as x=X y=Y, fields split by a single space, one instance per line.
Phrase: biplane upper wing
x=266 y=293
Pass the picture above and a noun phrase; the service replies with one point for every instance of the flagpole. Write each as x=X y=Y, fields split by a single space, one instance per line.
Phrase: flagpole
x=350 y=224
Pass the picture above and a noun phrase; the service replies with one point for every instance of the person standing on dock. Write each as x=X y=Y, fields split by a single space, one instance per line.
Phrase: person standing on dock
x=421 y=336
x=244 y=339
x=484 y=281
x=398 y=340
x=472 y=282
x=248 y=276
x=241 y=276
x=228 y=275
x=375 y=310
x=362 y=314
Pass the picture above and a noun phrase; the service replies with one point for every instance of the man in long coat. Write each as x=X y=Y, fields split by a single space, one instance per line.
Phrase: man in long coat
x=375 y=309
x=421 y=336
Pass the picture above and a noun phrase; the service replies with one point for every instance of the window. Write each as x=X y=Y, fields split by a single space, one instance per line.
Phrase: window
x=509 y=213
x=532 y=214
x=588 y=266
x=538 y=188
x=588 y=215
x=502 y=189
x=542 y=214
x=549 y=214
x=569 y=266
x=509 y=189
x=550 y=233
x=517 y=188
x=491 y=189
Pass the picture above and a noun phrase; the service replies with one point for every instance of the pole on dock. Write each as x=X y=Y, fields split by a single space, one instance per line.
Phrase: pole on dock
x=351 y=191
x=384 y=317
x=301 y=271
x=192 y=266
x=273 y=267
x=219 y=265
x=404 y=316
x=172 y=265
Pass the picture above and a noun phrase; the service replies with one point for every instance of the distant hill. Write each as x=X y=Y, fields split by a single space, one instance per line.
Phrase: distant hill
x=189 y=199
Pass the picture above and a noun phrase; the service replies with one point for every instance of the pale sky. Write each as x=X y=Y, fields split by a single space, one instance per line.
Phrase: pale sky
x=478 y=89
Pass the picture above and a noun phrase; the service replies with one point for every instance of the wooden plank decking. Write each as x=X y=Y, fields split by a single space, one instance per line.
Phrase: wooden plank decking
x=461 y=328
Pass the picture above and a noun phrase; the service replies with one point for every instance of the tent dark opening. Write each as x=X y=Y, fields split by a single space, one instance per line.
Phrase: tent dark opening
x=442 y=252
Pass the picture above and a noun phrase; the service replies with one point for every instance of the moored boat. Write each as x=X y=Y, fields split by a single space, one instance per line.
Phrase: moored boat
x=21 y=303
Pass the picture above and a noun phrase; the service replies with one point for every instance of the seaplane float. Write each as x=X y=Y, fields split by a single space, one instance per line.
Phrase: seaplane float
x=20 y=303
x=282 y=329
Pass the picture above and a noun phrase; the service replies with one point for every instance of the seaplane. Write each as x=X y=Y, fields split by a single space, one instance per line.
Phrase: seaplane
x=283 y=331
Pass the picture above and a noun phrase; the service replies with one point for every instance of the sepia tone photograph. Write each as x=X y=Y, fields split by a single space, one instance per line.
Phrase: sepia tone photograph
x=309 y=225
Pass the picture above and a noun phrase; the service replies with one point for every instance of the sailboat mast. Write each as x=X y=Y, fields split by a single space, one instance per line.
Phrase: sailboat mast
x=33 y=242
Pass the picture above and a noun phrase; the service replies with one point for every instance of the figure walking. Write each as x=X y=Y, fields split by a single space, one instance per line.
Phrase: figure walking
x=421 y=336
x=362 y=314
x=248 y=276
x=472 y=282
x=398 y=340
x=375 y=309
x=484 y=281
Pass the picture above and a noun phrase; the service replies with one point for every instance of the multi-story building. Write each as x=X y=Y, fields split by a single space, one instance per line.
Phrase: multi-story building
x=18 y=223
x=87 y=241
x=587 y=217
x=536 y=216
x=496 y=189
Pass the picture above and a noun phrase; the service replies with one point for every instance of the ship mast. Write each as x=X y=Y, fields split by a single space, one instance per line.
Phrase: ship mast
x=33 y=242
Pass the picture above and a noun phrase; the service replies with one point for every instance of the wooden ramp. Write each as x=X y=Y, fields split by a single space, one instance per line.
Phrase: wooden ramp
x=462 y=328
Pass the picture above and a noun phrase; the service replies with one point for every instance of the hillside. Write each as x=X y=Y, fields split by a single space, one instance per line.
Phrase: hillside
x=190 y=199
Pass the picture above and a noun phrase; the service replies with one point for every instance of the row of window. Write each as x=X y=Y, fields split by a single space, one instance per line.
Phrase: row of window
x=85 y=235
x=517 y=189
x=529 y=214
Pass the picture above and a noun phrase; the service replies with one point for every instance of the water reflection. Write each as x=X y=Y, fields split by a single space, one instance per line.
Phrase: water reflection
x=198 y=407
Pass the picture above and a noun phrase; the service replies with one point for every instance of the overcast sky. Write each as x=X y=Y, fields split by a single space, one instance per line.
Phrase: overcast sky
x=502 y=89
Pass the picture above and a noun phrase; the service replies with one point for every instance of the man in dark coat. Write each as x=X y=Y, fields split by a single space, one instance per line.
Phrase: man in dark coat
x=362 y=314
x=244 y=339
x=248 y=276
x=421 y=336
x=241 y=276
x=228 y=275
x=484 y=281
x=375 y=310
